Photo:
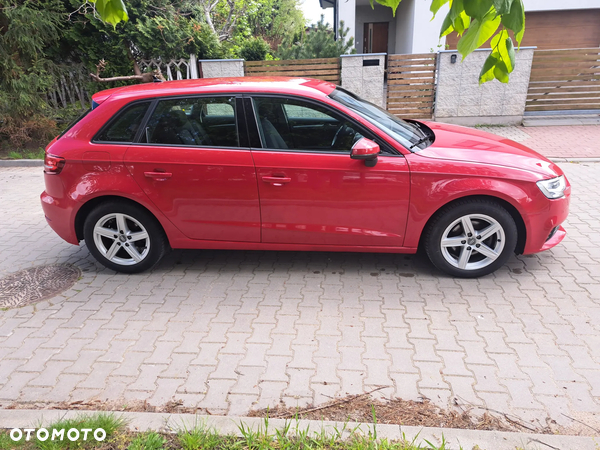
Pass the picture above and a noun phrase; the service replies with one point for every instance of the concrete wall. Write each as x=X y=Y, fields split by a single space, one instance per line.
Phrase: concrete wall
x=366 y=82
x=366 y=14
x=460 y=99
x=217 y=68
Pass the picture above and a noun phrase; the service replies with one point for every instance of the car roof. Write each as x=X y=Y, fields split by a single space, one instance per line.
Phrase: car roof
x=283 y=85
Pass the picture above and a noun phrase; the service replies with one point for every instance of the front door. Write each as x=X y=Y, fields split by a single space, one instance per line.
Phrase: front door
x=312 y=192
x=375 y=38
x=192 y=167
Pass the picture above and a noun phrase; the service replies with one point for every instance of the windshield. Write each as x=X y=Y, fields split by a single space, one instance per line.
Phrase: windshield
x=405 y=133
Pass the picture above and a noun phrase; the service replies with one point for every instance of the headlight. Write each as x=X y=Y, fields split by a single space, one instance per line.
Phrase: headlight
x=554 y=187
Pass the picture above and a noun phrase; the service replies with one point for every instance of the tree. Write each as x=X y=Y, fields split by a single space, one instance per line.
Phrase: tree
x=156 y=28
x=318 y=42
x=474 y=20
x=27 y=30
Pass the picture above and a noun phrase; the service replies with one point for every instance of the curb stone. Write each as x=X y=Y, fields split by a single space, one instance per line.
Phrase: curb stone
x=455 y=438
x=21 y=162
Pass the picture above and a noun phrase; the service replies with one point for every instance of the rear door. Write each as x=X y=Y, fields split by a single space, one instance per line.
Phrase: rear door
x=190 y=162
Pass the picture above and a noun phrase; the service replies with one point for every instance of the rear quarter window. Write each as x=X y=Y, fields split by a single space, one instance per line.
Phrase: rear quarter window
x=124 y=126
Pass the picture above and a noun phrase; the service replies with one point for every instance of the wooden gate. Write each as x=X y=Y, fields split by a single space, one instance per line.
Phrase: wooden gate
x=564 y=80
x=327 y=69
x=411 y=85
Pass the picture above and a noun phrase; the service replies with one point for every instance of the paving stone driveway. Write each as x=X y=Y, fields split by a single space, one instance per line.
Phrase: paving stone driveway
x=229 y=331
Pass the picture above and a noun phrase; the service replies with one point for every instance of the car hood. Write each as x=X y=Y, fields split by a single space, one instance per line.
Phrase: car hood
x=453 y=142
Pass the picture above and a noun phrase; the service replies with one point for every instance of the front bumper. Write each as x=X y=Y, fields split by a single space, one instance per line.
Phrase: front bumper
x=540 y=226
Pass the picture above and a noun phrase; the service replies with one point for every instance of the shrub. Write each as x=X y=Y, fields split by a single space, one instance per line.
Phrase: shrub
x=255 y=49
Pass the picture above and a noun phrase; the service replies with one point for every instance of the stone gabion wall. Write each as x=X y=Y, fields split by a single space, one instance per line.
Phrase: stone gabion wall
x=365 y=81
x=460 y=98
x=217 y=68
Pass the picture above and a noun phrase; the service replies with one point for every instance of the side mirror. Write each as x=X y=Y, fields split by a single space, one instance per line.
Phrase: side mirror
x=367 y=150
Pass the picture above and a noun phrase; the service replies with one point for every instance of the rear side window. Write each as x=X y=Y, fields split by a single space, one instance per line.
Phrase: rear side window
x=125 y=125
x=196 y=121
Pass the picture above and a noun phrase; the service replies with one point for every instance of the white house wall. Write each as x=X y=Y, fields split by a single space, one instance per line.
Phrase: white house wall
x=405 y=26
x=347 y=14
x=426 y=31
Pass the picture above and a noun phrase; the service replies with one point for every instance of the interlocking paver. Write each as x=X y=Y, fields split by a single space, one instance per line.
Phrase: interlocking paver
x=228 y=331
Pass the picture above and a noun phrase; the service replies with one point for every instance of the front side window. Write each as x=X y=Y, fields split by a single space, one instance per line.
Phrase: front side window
x=292 y=124
x=198 y=121
x=405 y=133
x=125 y=125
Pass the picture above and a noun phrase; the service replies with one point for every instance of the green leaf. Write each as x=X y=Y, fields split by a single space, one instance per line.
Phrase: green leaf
x=509 y=58
x=391 y=3
x=477 y=8
x=502 y=6
x=447 y=26
x=462 y=22
x=111 y=11
x=487 y=71
x=500 y=72
x=478 y=33
x=515 y=19
x=436 y=5
x=503 y=45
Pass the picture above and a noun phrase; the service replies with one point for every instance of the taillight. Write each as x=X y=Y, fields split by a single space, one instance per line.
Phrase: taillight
x=53 y=164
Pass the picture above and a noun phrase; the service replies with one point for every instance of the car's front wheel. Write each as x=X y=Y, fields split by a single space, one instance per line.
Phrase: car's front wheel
x=124 y=237
x=471 y=238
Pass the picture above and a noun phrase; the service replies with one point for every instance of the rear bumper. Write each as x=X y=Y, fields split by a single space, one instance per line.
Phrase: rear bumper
x=59 y=215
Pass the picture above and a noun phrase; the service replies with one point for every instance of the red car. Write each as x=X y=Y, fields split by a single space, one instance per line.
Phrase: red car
x=292 y=164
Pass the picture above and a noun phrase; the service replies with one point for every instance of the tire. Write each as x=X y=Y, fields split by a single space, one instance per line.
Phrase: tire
x=484 y=234
x=124 y=237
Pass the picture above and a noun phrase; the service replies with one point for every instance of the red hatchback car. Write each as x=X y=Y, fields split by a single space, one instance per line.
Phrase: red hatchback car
x=292 y=164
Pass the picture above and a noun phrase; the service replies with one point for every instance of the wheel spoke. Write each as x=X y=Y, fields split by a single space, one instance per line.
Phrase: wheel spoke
x=486 y=251
x=106 y=232
x=463 y=259
x=468 y=226
x=138 y=236
x=112 y=251
x=453 y=241
x=489 y=231
x=133 y=253
x=122 y=224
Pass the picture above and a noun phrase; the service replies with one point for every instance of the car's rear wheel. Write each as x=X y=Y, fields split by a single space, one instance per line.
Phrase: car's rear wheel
x=124 y=237
x=471 y=238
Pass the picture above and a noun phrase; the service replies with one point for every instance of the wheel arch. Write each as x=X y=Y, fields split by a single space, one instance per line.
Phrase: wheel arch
x=92 y=203
x=516 y=215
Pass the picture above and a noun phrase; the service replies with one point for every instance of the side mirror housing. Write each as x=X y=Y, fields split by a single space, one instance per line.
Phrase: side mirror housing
x=367 y=150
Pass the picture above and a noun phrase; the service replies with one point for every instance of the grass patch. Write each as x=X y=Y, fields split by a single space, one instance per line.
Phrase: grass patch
x=201 y=438
x=26 y=154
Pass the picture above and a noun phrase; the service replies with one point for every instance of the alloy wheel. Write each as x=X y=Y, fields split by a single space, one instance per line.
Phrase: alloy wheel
x=121 y=239
x=472 y=242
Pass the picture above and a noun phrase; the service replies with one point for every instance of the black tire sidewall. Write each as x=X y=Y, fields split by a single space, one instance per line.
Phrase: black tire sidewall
x=158 y=242
x=457 y=210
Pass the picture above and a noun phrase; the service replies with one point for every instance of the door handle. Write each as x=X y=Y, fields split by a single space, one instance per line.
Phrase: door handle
x=158 y=176
x=276 y=181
